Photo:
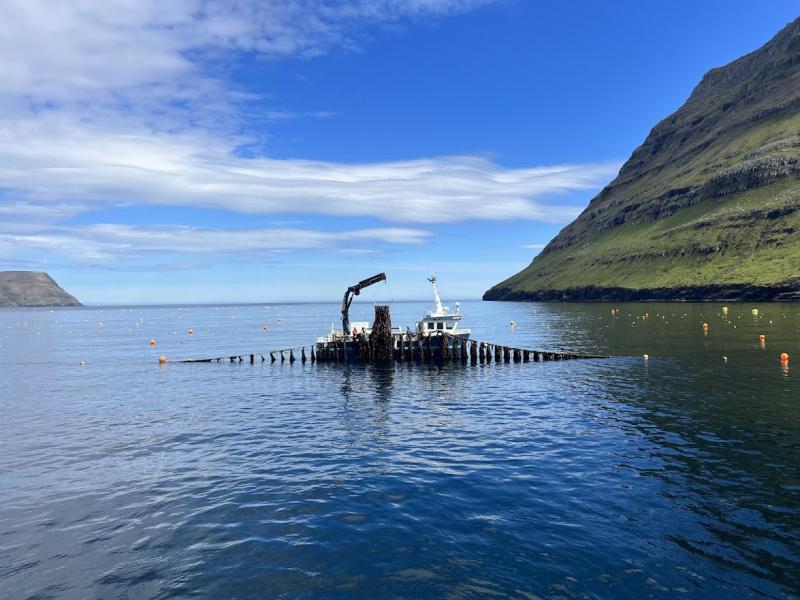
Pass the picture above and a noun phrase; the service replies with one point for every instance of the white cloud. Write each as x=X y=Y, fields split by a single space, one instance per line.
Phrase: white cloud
x=126 y=101
x=107 y=50
x=107 y=243
x=52 y=161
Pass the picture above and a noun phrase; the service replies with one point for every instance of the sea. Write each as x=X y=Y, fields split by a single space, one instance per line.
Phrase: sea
x=670 y=469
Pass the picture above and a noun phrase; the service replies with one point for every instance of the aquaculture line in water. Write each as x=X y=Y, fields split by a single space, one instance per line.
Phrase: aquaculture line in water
x=383 y=346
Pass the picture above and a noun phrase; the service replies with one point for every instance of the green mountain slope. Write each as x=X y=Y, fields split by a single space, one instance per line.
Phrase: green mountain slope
x=31 y=288
x=707 y=208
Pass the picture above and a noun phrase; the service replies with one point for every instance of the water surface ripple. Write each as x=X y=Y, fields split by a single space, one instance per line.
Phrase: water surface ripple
x=676 y=476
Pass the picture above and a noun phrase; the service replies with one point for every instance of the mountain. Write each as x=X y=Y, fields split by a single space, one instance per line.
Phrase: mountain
x=31 y=288
x=708 y=207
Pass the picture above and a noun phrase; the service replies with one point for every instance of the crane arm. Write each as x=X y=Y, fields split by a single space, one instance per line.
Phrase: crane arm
x=355 y=290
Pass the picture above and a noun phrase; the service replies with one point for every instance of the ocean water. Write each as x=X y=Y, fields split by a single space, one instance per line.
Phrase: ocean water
x=677 y=476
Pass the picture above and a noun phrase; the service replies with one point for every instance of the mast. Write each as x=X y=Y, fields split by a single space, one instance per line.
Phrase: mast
x=436 y=299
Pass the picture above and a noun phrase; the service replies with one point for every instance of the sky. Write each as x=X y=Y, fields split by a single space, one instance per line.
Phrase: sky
x=281 y=150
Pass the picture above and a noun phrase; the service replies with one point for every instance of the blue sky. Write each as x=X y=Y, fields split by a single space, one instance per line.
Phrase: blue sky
x=273 y=150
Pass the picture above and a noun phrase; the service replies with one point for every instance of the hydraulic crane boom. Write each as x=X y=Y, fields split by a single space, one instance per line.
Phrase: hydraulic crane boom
x=355 y=290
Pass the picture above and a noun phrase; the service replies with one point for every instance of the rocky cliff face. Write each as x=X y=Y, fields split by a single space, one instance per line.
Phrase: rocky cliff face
x=707 y=207
x=31 y=288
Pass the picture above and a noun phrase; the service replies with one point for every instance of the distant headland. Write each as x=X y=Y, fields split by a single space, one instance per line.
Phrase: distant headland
x=32 y=288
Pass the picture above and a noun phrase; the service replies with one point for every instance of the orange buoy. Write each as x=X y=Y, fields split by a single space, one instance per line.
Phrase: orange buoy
x=762 y=337
x=784 y=357
x=705 y=327
x=162 y=360
x=152 y=343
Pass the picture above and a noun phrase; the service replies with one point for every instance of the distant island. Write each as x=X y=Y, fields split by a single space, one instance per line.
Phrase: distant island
x=32 y=288
x=707 y=208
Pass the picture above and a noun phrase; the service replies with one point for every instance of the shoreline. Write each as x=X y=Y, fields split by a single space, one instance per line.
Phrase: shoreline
x=707 y=293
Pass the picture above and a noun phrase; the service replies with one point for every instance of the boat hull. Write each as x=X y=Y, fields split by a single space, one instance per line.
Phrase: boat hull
x=406 y=347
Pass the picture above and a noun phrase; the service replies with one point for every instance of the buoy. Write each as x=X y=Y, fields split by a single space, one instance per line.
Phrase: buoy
x=784 y=357
x=754 y=312
x=191 y=332
x=162 y=360
x=645 y=356
x=725 y=358
x=705 y=327
x=83 y=363
x=152 y=343
x=724 y=309
x=265 y=328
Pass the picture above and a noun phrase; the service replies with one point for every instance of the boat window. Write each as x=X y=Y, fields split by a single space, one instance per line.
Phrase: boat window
x=450 y=325
x=440 y=325
x=430 y=325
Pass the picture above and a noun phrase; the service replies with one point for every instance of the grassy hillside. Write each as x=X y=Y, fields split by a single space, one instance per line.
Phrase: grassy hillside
x=708 y=207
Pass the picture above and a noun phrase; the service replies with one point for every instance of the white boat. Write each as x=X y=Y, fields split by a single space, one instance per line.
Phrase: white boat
x=441 y=318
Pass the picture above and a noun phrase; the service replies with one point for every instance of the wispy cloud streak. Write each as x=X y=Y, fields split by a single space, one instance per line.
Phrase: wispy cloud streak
x=108 y=242
x=55 y=162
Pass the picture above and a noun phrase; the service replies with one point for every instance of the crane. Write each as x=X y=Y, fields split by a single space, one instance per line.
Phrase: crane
x=355 y=290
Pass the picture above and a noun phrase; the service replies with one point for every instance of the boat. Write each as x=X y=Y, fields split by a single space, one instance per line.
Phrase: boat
x=437 y=324
x=441 y=318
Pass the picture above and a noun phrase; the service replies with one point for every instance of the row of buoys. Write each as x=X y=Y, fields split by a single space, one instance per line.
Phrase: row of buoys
x=784 y=357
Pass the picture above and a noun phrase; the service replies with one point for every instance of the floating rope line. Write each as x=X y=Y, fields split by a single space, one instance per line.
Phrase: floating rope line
x=404 y=347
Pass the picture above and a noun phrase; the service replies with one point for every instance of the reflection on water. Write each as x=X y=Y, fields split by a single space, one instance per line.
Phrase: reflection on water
x=673 y=476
